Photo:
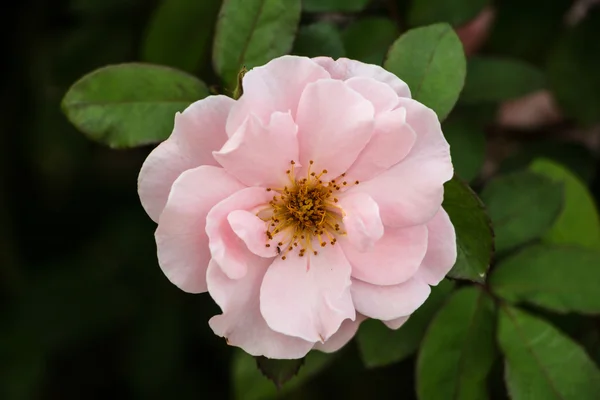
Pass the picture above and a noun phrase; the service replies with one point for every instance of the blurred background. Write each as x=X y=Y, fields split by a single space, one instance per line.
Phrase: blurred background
x=85 y=311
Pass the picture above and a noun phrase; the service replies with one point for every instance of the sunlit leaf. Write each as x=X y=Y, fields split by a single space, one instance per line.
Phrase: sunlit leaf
x=251 y=33
x=432 y=62
x=458 y=351
x=559 y=278
x=130 y=105
x=542 y=362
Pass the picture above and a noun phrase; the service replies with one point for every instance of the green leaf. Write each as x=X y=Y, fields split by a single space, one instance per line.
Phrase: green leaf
x=573 y=71
x=380 y=345
x=250 y=384
x=522 y=206
x=424 y=12
x=474 y=235
x=368 y=39
x=467 y=143
x=130 y=105
x=578 y=223
x=319 y=39
x=542 y=362
x=432 y=62
x=279 y=371
x=318 y=6
x=251 y=33
x=458 y=351
x=562 y=279
x=498 y=79
x=179 y=33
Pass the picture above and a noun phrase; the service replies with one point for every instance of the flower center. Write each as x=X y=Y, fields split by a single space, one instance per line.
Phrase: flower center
x=304 y=211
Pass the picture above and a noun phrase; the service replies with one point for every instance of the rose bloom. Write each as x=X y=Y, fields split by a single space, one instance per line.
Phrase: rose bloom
x=309 y=204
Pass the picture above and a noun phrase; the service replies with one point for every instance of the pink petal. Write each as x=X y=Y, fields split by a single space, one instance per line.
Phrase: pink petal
x=396 y=323
x=389 y=302
x=260 y=155
x=342 y=336
x=252 y=230
x=411 y=192
x=226 y=248
x=308 y=297
x=182 y=244
x=269 y=88
x=241 y=322
x=441 y=249
x=392 y=141
x=382 y=96
x=394 y=259
x=344 y=68
x=334 y=125
x=361 y=220
x=198 y=131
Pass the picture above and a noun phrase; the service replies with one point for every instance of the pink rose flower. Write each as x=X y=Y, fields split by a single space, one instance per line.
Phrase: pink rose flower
x=309 y=204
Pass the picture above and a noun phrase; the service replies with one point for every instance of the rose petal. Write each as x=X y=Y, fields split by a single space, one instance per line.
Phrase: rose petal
x=308 y=297
x=198 y=131
x=361 y=221
x=344 y=68
x=332 y=133
x=391 y=142
x=269 y=88
x=396 y=323
x=411 y=192
x=394 y=259
x=339 y=339
x=252 y=230
x=182 y=244
x=241 y=322
x=389 y=302
x=226 y=248
x=441 y=249
x=258 y=154
x=382 y=96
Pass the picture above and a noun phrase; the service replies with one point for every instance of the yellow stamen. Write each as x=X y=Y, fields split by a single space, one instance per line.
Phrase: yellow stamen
x=303 y=211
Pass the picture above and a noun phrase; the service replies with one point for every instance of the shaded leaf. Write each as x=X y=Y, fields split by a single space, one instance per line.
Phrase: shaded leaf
x=334 y=5
x=499 y=79
x=576 y=157
x=424 y=12
x=542 y=362
x=573 y=71
x=250 y=384
x=319 y=39
x=522 y=206
x=251 y=33
x=578 y=223
x=179 y=33
x=474 y=235
x=130 y=105
x=432 y=62
x=458 y=351
x=466 y=137
x=563 y=279
x=380 y=345
x=368 y=39
x=279 y=371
